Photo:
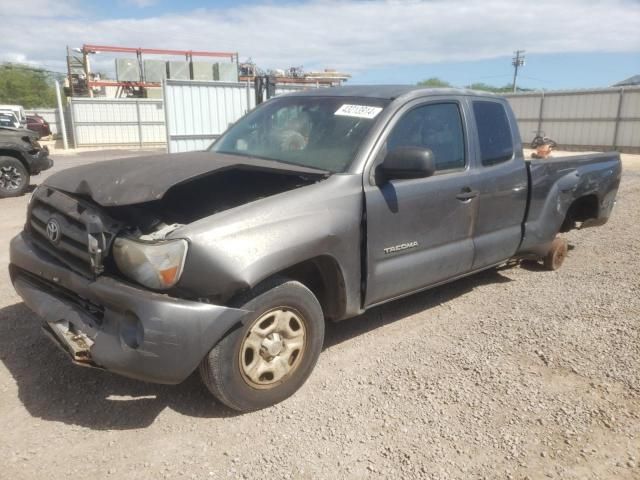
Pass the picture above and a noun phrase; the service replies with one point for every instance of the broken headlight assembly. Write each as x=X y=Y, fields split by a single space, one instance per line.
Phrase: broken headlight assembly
x=33 y=142
x=155 y=265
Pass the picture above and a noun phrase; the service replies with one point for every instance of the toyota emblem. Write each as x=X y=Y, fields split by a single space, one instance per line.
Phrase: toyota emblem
x=53 y=230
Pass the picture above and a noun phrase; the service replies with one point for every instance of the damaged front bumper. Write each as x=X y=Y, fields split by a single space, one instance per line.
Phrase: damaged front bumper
x=112 y=325
x=40 y=161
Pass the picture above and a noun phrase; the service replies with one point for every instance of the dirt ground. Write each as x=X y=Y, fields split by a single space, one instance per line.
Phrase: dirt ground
x=518 y=373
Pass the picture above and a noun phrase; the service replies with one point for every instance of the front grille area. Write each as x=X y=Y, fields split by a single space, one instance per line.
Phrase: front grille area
x=83 y=234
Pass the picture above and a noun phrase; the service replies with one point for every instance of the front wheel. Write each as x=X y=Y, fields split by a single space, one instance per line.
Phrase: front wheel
x=14 y=177
x=273 y=353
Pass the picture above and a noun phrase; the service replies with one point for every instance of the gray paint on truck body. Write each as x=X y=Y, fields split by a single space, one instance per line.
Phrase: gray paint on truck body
x=347 y=220
x=238 y=248
x=557 y=182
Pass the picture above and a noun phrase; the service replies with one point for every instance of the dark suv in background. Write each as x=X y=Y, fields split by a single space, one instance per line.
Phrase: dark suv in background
x=21 y=156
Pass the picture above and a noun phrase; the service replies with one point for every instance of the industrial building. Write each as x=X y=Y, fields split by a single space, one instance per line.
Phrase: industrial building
x=141 y=77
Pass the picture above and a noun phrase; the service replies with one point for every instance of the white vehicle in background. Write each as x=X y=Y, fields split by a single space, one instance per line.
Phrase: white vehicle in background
x=17 y=110
x=9 y=119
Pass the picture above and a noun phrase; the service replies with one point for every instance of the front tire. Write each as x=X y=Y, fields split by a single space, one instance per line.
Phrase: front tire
x=271 y=356
x=14 y=177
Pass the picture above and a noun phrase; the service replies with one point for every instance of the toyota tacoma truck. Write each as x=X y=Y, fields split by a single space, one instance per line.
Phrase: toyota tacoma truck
x=21 y=156
x=314 y=207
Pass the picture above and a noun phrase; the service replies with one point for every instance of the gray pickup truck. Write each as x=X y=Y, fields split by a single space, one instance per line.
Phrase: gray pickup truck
x=315 y=206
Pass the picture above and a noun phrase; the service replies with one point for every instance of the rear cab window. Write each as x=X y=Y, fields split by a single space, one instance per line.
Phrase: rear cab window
x=494 y=133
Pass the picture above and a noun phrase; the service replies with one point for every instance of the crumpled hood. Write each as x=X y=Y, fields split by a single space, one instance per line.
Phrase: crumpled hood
x=128 y=181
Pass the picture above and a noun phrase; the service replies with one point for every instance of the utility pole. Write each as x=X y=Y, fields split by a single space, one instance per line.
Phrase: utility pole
x=62 y=126
x=87 y=70
x=517 y=61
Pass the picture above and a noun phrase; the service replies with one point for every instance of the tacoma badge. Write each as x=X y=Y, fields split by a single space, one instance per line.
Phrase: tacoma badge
x=402 y=246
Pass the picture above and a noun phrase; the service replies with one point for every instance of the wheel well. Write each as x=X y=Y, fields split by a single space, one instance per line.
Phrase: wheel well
x=581 y=209
x=16 y=155
x=322 y=275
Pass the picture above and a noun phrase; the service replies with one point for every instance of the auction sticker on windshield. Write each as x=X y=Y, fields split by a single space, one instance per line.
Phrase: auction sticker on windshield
x=360 y=111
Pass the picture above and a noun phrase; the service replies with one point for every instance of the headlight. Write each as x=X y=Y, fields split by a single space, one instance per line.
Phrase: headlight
x=154 y=265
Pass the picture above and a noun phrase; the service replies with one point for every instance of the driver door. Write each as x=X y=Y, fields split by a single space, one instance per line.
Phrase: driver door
x=420 y=231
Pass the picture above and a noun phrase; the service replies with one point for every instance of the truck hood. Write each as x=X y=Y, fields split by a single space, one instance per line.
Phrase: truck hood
x=16 y=132
x=130 y=181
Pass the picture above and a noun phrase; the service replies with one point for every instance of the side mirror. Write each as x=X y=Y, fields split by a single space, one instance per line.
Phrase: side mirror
x=408 y=162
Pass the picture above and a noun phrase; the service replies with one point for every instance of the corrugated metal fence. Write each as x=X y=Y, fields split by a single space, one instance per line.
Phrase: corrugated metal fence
x=117 y=122
x=601 y=119
x=198 y=112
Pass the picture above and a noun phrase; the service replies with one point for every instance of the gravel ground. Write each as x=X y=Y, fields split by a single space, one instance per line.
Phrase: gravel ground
x=517 y=373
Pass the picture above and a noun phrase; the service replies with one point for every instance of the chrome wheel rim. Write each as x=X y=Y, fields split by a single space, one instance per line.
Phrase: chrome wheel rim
x=10 y=178
x=272 y=348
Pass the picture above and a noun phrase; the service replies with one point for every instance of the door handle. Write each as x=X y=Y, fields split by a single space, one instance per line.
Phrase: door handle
x=467 y=194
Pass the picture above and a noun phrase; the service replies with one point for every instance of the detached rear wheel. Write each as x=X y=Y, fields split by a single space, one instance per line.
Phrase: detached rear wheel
x=273 y=353
x=14 y=177
x=557 y=254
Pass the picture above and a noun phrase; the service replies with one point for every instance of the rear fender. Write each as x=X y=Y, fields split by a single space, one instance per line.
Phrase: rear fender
x=540 y=232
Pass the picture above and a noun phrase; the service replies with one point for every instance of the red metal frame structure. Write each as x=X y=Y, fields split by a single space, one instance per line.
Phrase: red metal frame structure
x=155 y=51
x=88 y=49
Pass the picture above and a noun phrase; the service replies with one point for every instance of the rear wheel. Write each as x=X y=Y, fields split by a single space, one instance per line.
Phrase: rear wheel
x=14 y=177
x=556 y=255
x=273 y=353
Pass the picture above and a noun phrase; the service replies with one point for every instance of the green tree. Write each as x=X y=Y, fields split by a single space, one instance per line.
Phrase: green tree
x=434 y=82
x=25 y=85
x=491 y=88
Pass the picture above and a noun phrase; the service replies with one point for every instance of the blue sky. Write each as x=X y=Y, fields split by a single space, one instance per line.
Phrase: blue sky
x=570 y=44
x=541 y=71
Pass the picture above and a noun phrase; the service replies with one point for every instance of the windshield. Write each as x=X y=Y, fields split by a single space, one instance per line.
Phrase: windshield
x=7 y=121
x=317 y=132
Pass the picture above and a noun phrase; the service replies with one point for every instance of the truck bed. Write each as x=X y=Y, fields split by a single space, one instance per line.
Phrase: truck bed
x=565 y=192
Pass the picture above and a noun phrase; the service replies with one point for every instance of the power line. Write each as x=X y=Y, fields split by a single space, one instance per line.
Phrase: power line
x=537 y=79
x=494 y=76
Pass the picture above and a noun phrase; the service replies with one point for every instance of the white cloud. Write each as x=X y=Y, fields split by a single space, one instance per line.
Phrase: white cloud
x=38 y=8
x=350 y=35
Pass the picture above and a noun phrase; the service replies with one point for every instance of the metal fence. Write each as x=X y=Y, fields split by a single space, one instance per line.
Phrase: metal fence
x=198 y=112
x=117 y=122
x=601 y=119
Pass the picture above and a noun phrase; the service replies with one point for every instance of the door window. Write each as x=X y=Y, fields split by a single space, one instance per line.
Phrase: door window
x=437 y=127
x=496 y=144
